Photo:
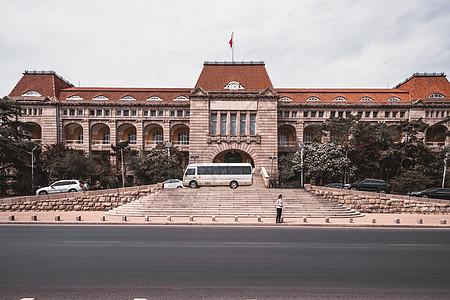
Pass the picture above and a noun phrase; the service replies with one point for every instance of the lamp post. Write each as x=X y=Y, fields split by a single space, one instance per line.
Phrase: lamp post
x=168 y=145
x=271 y=170
x=302 y=150
x=194 y=157
x=32 y=167
x=121 y=145
x=446 y=149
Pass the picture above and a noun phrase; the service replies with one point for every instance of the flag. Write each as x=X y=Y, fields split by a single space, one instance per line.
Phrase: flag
x=231 y=41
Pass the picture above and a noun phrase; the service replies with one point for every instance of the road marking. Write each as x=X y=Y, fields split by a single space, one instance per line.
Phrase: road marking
x=249 y=243
x=416 y=245
x=27 y=298
x=140 y=299
x=97 y=242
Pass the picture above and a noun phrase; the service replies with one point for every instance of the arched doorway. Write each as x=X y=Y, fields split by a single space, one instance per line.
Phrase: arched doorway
x=435 y=136
x=233 y=156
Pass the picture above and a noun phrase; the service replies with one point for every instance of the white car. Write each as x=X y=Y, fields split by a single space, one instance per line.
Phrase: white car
x=173 y=184
x=61 y=186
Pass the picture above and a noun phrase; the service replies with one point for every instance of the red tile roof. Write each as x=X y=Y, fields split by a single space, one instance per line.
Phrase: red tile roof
x=216 y=75
x=46 y=83
x=422 y=85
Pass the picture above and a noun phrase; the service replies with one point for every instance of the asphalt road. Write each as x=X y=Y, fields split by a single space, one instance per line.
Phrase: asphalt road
x=165 y=262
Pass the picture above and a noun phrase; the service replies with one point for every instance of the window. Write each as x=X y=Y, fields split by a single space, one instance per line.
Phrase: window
x=339 y=99
x=71 y=112
x=386 y=114
x=233 y=86
x=106 y=137
x=307 y=137
x=223 y=124
x=80 y=112
x=32 y=93
x=106 y=112
x=213 y=124
x=126 y=113
x=99 y=112
x=157 y=137
x=133 y=113
x=359 y=114
x=285 y=99
x=313 y=114
x=394 y=114
x=294 y=114
x=402 y=114
x=183 y=138
x=153 y=113
x=187 y=113
x=190 y=171
x=332 y=114
x=132 y=137
x=145 y=112
x=127 y=98
x=348 y=114
x=320 y=114
x=252 y=124
x=179 y=113
x=436 y=96
x=100 y=97
x=374 y=114
x=154 y=98
x=181 y=98
x=305 y=114
x=118 y=113
x=279 y=114
x=243 y=124
x=365 y=99
x=394 y=99
x=341 y=114
x=74 y=97
x=160 y=113
x=367 y=114
x=172 y=113
x=65 y=112
x=283 y=139
x=286 y=114
x=313 y=99
x=40 y=111
x=92 y=112
x=232 y=124
x=80 y=137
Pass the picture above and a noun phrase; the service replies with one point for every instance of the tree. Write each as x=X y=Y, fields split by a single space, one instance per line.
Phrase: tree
x=156 y=165
x=323 y=162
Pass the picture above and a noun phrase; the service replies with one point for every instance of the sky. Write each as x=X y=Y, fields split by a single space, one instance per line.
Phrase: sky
x=163 y=44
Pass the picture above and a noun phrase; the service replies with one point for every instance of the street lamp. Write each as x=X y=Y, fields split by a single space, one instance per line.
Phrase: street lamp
x=194 y=157
x=271 y=169
x=302 y=150
x=168 y=145
x=446 y=149
x=33 y=159
x=122 y=145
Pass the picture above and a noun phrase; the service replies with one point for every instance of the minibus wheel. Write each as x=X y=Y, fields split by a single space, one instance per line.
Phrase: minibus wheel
x=234 y=184
x=193 y=184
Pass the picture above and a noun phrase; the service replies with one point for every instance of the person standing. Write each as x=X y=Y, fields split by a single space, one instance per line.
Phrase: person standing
x=279 y=205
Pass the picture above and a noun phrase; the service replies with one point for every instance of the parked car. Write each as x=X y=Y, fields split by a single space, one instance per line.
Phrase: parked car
x=336 y=185
x=370 y=185
x=61 y=186
x=436 y=193
x=173 y=184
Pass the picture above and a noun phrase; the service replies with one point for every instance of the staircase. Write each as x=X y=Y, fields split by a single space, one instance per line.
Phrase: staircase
x=245 y=201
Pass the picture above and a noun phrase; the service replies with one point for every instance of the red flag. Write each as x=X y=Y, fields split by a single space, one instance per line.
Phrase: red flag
x=231 y=41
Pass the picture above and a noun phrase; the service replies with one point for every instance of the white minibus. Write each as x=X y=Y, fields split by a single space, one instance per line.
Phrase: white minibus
x=232 y=174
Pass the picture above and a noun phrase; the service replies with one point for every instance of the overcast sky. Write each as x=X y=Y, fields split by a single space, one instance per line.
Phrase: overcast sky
x=307 y=43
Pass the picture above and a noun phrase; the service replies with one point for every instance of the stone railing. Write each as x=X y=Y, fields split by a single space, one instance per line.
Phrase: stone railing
x=367 y=202
x=99 y=200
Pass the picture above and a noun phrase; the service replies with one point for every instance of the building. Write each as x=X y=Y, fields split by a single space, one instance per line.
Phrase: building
x=233 y=113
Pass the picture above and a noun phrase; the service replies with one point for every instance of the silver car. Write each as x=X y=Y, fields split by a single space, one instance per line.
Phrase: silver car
x=173 y=184
x=61 y=186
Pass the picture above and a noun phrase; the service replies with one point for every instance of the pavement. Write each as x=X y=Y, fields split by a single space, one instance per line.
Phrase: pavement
x=100 y=218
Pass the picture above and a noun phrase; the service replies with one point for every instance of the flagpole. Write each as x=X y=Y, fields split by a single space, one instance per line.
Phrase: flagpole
x=232 y=47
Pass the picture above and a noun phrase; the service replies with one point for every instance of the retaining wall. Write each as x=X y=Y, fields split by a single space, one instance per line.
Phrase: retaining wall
x=100 y=200
x=367 y=202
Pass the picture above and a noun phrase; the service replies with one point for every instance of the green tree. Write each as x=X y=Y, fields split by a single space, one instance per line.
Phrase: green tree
x=156 y=165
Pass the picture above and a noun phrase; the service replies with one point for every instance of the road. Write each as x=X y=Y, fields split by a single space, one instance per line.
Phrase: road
x=190 y=262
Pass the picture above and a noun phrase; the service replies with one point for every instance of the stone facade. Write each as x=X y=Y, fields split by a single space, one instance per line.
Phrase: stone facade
x=367 y=202
x=103 y=200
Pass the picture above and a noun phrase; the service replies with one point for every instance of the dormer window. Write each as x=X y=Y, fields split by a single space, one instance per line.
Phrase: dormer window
x=32 y=94
x=181 y=98
x=339 y=99
x=154 y=98
x=313 y=99
x=436 y=96
x=394 y=99
x=366 y=99
x=127 y=98
x=285 y=99
x=100 y=97
x=74 y=97
x=233 y=86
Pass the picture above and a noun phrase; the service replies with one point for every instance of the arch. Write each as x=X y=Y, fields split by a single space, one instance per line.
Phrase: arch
x=286 y=136
x=73 y=134
x=394 y=99
x=310 y=134
x=127 y=132
x=336 y=137
x=285 y=99
x=181 y=98
x=74 y=97
x=435 y=136
x=100 y=97
x=33 y=131
x=339 y=99
x=436 y=96
x=366 y=99
x=127 y=97
x=313 y=99
x=32 y=94
x=233 y=156
x=179 y=134
x=153 y=134
x=100 y=134
x=224 y=147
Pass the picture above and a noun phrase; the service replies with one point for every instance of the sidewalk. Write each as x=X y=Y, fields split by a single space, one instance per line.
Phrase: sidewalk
x=100 y=218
